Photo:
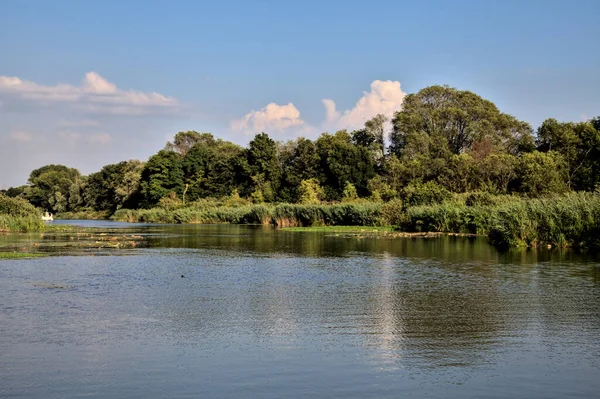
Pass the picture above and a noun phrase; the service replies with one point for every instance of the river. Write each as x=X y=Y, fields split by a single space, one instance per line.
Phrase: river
x=224 y=311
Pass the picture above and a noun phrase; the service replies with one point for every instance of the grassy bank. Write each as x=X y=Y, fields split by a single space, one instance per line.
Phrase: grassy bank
x=18 y=215
x=21 y=255
x=83 y=215
x=282 y=215
x=342 y=229
x=571 y=220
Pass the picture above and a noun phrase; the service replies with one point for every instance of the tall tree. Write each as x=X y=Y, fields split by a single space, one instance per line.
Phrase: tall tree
x=579 y=146
x=162 y=174
x=114 y=186
x=51 y=187
x=344 y=162
x=184 y=141
x=263 y=166
x=372 y=136
x=460 y=118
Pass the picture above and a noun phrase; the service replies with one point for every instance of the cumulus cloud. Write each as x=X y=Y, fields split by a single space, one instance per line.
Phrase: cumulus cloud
x=385 y=97
x=94 y=94
x=272 y=118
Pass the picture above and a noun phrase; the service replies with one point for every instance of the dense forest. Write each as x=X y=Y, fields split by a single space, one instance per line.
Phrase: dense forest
x=443 y=141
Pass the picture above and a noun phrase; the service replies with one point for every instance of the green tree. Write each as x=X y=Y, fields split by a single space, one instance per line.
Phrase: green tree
x=349 y=193
x=459 y=118
x=51 y=186
x=342 y=161
x=498 y=170
x=579 y=146
x=161 y=175
x=263 y=166
x=185 y=141
x=541 y=173
x=299 y=161
x=115 y=186
x=311 y=192
x=372 y=136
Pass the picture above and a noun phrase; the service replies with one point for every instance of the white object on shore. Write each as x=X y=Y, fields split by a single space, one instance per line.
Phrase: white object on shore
x=47 y=217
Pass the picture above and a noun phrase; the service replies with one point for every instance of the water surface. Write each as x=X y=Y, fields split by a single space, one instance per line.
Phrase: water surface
x=247 y=312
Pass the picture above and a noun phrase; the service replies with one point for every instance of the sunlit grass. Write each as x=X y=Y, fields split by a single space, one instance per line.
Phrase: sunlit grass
x=21 y=255
x=341 y=229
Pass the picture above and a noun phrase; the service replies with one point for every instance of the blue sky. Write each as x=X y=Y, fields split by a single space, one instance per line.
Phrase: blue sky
x=215 y=66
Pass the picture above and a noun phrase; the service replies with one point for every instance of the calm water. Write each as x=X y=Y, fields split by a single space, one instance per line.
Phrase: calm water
x=261 y=313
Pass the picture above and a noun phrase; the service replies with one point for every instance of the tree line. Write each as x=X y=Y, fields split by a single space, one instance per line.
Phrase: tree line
x=442 y=141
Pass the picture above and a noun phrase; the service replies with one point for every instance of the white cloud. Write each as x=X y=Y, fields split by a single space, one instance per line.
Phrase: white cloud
x=272 y=118
x=385 y=98
x=21 y=136
x=95 y=94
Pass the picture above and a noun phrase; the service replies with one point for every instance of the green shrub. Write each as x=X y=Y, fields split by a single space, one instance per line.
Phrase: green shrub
x=16 y=214
x=429 y=193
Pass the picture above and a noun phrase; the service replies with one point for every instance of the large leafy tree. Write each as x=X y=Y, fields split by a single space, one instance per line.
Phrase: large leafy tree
x=162 y=174
x=341 y=162
x=457 y=119
x=299 y=162
x=209 y=168
x=262 y=167
x=541 y=173
x=54 y=187
x=114 y=186
x=372 y=136
x=579 y=146
x=185 y=141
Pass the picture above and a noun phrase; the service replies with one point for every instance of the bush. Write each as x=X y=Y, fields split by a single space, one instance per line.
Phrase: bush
x=392 y=213
x=429 y=193
x=571 y=220
x=16 y=214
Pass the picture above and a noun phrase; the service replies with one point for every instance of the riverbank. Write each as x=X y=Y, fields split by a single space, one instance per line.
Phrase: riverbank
x=571 y=220
x=21 y=255
x=16 y=214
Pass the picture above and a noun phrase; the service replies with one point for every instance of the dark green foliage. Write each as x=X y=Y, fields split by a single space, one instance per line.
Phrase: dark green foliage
x=541 y=173
x=579 y=146
x=55 y=188
x=16 y=214
x=455 y=163
x=209 y=168
x=425 y=194
x=392 y=213
x=161 y=175
x=571 y=220
x=454 y=120
x=114 y=186
x=343 y=162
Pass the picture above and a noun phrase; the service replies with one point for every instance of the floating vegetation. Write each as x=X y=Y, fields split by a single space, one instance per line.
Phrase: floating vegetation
x=21 y=255
x=52 y=286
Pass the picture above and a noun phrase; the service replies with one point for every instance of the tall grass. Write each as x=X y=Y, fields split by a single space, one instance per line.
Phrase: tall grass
x=282 y=215
x=16 y=214
x=571 y=220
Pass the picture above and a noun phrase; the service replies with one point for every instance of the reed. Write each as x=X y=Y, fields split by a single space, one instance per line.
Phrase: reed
x=16 y=214
x=571 y=220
